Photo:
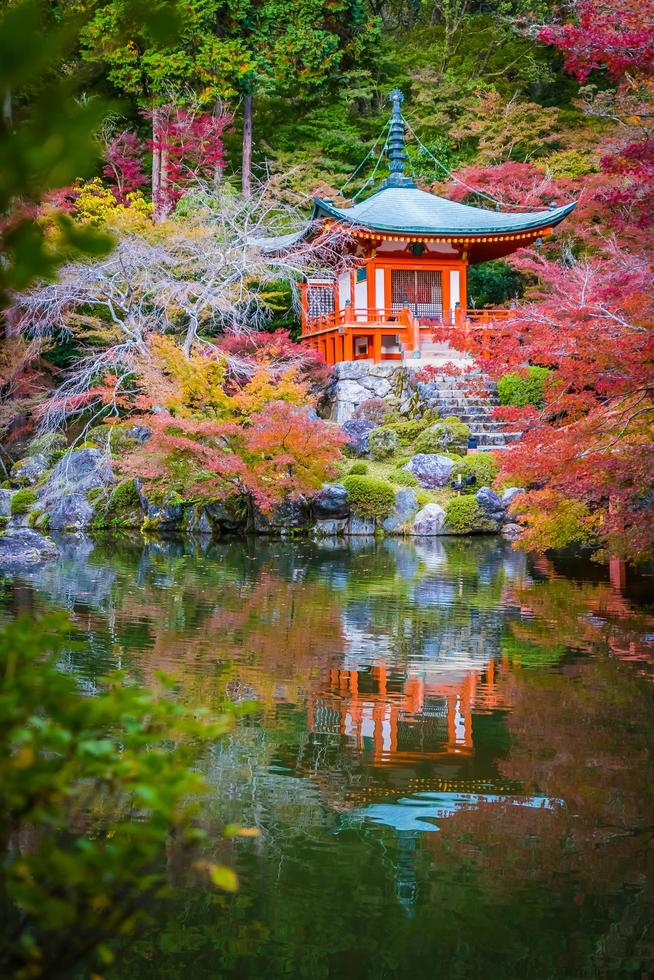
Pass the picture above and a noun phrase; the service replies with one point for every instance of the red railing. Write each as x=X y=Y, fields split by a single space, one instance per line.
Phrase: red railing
x=326 y=332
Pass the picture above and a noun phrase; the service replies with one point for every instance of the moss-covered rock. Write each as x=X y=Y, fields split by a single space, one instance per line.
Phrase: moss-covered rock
x=450 y=436
x=382 y=443
x=51 y=445
x=464 y=515
x=22 y=501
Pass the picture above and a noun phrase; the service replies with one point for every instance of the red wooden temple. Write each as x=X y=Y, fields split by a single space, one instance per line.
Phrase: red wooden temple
x=404 y=270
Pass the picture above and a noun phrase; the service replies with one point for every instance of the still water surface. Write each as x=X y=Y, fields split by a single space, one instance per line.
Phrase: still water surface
x=450 y=761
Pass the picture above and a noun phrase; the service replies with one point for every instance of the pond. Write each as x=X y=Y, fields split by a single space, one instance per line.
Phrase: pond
x=449 y=760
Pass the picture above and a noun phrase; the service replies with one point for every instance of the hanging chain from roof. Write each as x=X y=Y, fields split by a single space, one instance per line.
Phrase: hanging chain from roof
x=457 y=180
x=366 y=158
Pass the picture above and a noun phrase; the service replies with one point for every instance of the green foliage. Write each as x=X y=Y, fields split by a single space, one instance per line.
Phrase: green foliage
x=493 y=284
x=449 y=435
x=382 y=443
x=522 y=389
x=22 y=500
x=80 y=768
x=402 y=478
x=481 y=466
x=48 y=142
x=408 y=430
x=462 y=515
x=358 y=469
x=369 y=497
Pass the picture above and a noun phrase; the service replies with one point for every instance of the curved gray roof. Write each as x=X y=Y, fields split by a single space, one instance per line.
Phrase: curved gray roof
x=410 y=210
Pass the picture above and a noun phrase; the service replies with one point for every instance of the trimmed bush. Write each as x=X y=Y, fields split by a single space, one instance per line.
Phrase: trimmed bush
x=478 y=465
x=451 y=435
x=358 y=469
x=22 y=500
x=402 y=478
x=382 y=443
x=462 y=515
x=369 y=497
x=523 y=389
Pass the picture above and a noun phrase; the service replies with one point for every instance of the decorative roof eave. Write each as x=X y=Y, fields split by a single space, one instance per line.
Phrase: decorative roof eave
x=441 y=239
x=539 y=221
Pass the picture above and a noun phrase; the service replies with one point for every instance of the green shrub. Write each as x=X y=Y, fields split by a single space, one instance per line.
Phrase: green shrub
x=358 y=469
x=382 y=443
x=462 y=515
x=481 y=466
x=450 y=435
x=22 y=500
x=369 y=497
x=523 y=389
x=402 y=478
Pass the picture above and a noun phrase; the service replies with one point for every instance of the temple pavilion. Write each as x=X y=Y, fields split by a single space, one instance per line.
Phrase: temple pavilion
x=406 y=253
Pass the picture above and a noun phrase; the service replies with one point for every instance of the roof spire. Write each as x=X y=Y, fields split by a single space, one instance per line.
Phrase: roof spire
x=395 y=144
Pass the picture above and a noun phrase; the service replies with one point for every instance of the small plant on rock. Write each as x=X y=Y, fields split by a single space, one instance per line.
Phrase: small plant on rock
x=369 y=497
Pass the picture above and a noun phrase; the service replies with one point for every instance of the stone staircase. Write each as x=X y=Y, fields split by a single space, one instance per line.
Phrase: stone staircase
x=449 y=395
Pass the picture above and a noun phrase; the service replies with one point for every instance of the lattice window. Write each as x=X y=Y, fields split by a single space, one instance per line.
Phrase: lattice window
x=419 y=289
x=320 y=299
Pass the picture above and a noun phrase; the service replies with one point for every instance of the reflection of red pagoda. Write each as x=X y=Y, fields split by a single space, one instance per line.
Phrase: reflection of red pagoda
x=399 y=717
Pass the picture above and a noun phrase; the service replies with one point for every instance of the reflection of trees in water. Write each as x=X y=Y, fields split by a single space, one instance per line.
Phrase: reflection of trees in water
x=501 y=891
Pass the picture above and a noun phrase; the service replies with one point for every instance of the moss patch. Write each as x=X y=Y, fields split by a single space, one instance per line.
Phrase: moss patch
x=22 y=500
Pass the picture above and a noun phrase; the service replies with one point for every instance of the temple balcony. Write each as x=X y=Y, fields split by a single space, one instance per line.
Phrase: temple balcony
x=395 y=334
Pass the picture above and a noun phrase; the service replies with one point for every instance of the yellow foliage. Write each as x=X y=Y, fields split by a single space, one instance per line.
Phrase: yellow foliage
x=200 y=381
x=97 y=205
x=263 y=388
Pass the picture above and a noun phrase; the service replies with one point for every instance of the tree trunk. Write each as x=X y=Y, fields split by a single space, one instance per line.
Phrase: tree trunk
x=156 y=161
x=246 y=182
x=164 y=201
x=7 y=112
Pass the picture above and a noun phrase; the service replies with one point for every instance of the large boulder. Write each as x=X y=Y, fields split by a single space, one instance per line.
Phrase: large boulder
x=69 y=512
x=226 y=515
x=83 y=469
x=63 y=497
x=492 y=508
x=291 y=515
x=330 y=503
x=431 y=470
x=5 y=502
x=429 y=521
x=361 y=526
x=510 y=494
x=329 y=528
x=169 y=515
x=406 y=508
x=23 y=548
x=26 y=472
x=357 y=432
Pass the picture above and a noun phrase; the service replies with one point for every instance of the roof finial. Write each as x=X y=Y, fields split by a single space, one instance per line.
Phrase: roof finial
x=395 y=144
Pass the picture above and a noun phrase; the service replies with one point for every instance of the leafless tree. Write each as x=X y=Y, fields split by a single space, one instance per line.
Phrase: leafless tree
x=206 y=271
